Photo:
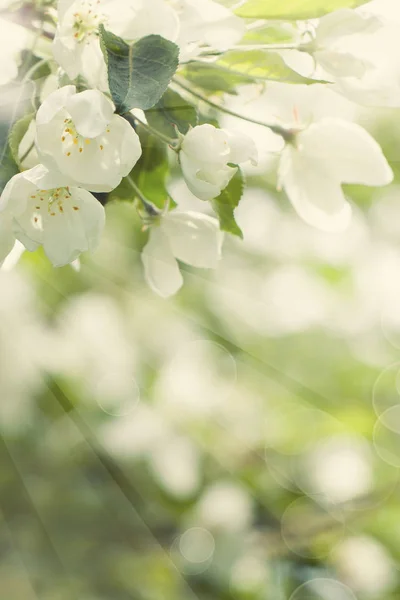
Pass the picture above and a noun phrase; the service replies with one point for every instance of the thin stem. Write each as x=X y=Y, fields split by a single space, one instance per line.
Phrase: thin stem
x=132 y=118
x=150 y=208
x=27 y=152
x=246 y=47
x=285 y=133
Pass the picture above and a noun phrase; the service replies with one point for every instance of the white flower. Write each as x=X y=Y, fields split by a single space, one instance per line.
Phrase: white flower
x=322 y=157
x=76 y=44
x=193 y=238
x=13 y=39
x=40 y=209
x=204 y=156
x=206 y=22
x=327 y=47
x=80 y=136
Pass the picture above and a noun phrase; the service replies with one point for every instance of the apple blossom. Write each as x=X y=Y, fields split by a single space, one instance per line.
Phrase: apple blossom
x=205 y=157
x=13 y=39
x=79 y=135
x=206 y=23
x=76 y=44
x=326 y=47
x=193 y=238
x=39 y=208
x=318 y=159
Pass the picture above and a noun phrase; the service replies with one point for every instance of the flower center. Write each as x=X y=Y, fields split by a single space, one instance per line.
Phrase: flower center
x=50 y=202
x=72 y=140
x=87 y=20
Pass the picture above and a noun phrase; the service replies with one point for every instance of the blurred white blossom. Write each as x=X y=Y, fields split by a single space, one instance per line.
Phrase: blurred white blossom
x=192 y=238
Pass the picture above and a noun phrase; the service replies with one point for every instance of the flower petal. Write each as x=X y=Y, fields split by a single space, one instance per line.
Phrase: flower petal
x=123 y=135
x=160 y=267
x=343 y=22
x=91 y=112
x=76 y=230
x=345 y=152
x=194 y=238
x=317 y=198
x=53 y=104
x=341 y=64
x=198 y=183
x=206 y=145
x=242 y=148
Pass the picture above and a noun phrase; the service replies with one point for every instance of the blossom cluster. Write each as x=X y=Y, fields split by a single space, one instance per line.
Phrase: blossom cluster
x=86 y=144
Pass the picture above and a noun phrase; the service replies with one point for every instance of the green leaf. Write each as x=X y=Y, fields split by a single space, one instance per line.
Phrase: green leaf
x=150 y=173
x=226 y=203
x=292 y=9
x=8 y=166
x=214 y=78
x=170 y=113
x=16 y=135
x=139 y=73
x=260 y=64
x=271 y=33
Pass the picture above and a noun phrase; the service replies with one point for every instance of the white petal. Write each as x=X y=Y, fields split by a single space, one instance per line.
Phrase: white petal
x=68 y=234
x=197 y=181
x=206 y=145
x=146 y=17
x=341 y=64
x=343 y=22
x=194 y=238
x=317 y=198
x=128 y=141
x=67 y=55
x=242 y=148
x=345 y=152
x=160 y=267
x=15 y=194
x=13 y=256
x=45 y=179
x=92 y=215
x=211 y=23
x=91 y=112
x=53 y=104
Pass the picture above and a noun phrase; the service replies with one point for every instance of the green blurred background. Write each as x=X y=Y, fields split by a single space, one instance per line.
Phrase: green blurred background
x=240 y=441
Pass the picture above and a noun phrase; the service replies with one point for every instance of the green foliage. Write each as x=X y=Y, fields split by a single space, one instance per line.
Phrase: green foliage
x=8 y=166
x=16 y=135
x=139 y=73
x=149 y=173
x=226 y=203
x=271 y=33
x=259 y=64
x=172 y=114
x=214 y=78
x=292 y=9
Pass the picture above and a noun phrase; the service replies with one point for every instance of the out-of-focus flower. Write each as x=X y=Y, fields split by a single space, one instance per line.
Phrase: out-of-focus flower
x=205 y=155
x=190 y=237
x=366 y=566
x=226 y=506
x=321 y=157
x=326 y=49
x=76 y=44
x=206 y=23
x=39 y=208
x=13 y=39
x=80 y=136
